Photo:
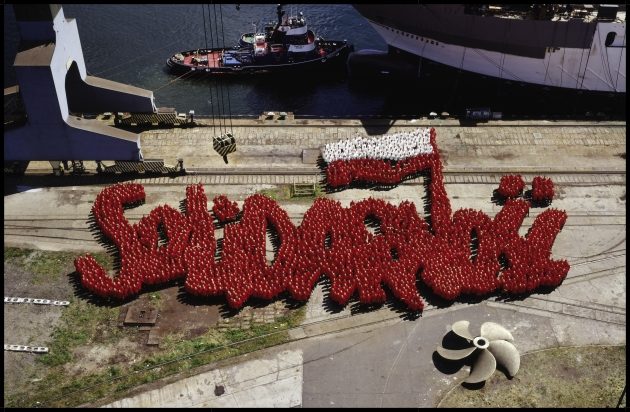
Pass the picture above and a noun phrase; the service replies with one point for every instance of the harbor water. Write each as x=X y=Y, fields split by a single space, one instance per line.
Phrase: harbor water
x=131 y=43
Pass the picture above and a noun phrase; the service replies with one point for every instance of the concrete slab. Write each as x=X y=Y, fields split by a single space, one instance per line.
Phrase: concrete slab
x=575 y=332
x=271 y=381
x=309 y=156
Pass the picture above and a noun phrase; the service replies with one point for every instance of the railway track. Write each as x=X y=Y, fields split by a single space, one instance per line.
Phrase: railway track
x=575 y=309
x=307 y=175
x=604 y=256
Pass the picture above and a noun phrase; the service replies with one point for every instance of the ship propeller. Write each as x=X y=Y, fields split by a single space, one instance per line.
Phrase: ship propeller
x=494 y=344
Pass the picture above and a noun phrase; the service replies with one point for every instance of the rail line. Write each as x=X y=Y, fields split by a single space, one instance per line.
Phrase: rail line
x=579 y=310
x=310 y=175
x=14 y=223
x=594 y=274
x=599 y=258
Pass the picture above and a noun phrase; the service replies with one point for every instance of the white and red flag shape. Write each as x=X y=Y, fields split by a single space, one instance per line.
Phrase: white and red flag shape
x=383 y=160
x=396 y=146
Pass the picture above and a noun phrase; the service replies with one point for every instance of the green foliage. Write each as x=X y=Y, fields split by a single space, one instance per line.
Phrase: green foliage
x=46 y=265
x=78 y=326
x=103 y=259
x=319 y=191
x=16 y=253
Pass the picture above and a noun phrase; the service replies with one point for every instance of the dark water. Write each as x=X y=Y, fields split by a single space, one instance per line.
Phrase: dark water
x=130 y=44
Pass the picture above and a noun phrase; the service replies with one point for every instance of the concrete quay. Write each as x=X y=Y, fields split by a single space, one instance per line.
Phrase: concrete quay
x=291 y=144
x=271 y=144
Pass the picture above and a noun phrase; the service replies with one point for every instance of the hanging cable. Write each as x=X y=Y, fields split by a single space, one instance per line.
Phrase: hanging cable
x=221 y=103
x=223 y=86
x=172 y=81
x=127 y=66
x=228 y=88
x=581 y=57
x=215 y=81
x=605 y=48
x=214 y=130
x=205 y=32
x=588 y=57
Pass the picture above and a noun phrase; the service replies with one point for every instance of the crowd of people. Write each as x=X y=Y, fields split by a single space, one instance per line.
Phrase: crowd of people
x=342 y=171
x=503 y=261
x=396 y=146
x=542 y=189
x=223 y=209
x=243 y=270
x=511 y=186
x=142 y=259
x=332 y=241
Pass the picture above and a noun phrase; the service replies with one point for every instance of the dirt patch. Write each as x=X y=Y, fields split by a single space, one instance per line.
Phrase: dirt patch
x=96 y=356
x=585 y=377
x=560 y=193
x=29 y=324
x=179 y=312
x=176 y=316
x=19 y=282
x=444 y=155
x=503 y=156
x=26 y=324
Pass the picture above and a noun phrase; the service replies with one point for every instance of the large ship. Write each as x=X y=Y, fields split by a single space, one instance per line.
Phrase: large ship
x=580 y=47
x=286 y=46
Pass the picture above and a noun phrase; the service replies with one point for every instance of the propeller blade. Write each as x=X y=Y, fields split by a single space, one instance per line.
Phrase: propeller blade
x=461 y=329
x=494 y=331
x=483 y=368
x=506 y=355
x=455 y=354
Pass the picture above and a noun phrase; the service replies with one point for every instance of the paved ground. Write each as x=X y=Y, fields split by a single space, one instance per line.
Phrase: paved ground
x=345 y=358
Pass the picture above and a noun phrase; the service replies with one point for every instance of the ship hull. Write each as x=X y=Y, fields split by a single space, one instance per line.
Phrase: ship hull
x=585 y=63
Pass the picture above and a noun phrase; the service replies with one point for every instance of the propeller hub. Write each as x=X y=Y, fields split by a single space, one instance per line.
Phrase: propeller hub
x=481 y=342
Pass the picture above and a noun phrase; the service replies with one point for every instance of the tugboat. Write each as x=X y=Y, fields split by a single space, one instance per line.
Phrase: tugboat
x=286 y=46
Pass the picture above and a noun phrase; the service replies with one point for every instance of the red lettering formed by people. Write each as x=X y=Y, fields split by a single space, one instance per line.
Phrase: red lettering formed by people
x=332 y=241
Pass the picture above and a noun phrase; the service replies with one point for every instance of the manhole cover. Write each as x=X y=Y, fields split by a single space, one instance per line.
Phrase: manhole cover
x=141 y=316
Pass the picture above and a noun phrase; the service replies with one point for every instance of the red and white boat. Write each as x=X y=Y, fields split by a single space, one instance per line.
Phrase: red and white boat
x=286 y=46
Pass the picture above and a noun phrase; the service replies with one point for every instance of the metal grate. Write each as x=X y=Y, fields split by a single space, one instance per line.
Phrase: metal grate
x=303 y=189
x=124 y=166
x=135 y=119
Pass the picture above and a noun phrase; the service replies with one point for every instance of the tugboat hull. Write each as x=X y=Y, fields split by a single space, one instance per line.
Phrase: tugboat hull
x=286 y=47
x=214 y=61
